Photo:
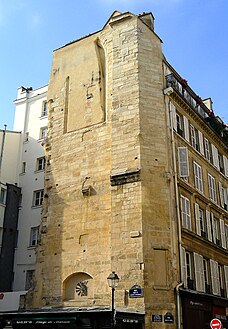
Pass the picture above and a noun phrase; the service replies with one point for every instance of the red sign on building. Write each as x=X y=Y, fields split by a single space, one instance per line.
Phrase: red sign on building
x=215 y=324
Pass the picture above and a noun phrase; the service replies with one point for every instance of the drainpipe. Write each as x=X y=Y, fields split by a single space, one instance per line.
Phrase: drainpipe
x=2 y=147
x=167 y=92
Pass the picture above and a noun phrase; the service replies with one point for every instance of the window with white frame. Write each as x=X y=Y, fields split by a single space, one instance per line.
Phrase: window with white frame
x=200 y=221
x=3 y=195
x=207 y=148
x=23 y=169
x=185 y=212
x=40 y=163
x=212 y=188
x=194 y=137
x=38 y=198
x=43 y=132
x=216 y=235
x=226 y=235
x=198 y=176
x=221 y=280
x=44 y=111
x=34 y=236
x=183 y=162
x=223 y=193
x=221 y=163
x=199 y=272
x=29 y=279
x=215 y=283
x=206 y=275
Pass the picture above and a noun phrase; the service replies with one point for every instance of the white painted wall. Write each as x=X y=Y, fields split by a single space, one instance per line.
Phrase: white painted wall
x=28 y=119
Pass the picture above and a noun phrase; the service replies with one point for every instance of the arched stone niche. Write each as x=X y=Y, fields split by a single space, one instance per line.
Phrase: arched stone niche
x=78 y=286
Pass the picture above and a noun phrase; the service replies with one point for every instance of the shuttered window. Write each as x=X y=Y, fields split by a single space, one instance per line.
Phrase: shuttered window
x=184 y=268
x=199 y=272
x=208 y=218
x=215 y=156
x=183 y=162
x=186 y=128
x=215 y=277
x=225 y=161
x=226 y=279
x=222 y=232
x=201 y=146
x=198 y=176
x=212 y=188
x=207 y=149
x=185 y=212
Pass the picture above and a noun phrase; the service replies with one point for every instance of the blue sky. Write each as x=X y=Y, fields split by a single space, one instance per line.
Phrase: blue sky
x=194 y=34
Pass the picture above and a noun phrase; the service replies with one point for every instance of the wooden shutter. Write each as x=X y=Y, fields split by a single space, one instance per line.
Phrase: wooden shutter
x=215 y=277
x=173 y=116
x=186 y=128
x=222 y=231
x=201 y=146
x=215 y=156
x=221 y=194
x=184 y=268
x=213 y=227
x=208 y=218
x=199 y=274
x=183 y=161
x=226 y=279
x=225 y=162
x=197 y=217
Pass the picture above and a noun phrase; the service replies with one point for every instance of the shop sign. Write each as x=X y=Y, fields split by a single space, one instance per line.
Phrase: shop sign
x=44 y=321
x=130 y=321
x=136 y=292
x=168 y=318
x=156 y=318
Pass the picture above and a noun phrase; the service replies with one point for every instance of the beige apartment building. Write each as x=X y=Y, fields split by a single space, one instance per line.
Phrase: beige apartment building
x=136 y=184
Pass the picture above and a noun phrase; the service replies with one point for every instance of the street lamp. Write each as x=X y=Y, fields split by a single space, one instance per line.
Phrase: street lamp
x=113 y=281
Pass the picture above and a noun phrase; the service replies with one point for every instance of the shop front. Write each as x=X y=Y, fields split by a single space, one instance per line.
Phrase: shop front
x=200 y=309
x=70 y=318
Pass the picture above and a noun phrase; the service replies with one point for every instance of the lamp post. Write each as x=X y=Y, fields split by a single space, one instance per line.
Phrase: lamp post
x=113 y=281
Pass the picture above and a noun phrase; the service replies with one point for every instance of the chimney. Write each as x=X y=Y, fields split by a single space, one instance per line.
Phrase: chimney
x=148 y=19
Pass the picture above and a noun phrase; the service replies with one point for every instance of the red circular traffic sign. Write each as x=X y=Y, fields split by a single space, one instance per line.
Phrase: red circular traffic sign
x=216 y=324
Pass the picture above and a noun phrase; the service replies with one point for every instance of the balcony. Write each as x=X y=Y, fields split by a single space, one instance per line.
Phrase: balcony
x=197 y=105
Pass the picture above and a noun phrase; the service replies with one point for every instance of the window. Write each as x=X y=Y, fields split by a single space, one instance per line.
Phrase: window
x=199 y=272
x=26 y=137
x=44 y=109
x=3 y=196
x=23 y=167
x=221 y=163
x=38 y=198
x=221 y=280
x=185 y=212
x=194 y=137
x=216 y=235
x=212 y=188
x=43 y=132
x=223 y=193
x=226 y=236
x=215 y=277
x=215 y=156
x=29 y=279
x=198 y=176
x=34 y=236
x=180 y=124
x=183 y=162
x=40 y=163
x=206 y=276
x=189 y=271
x=207 y=148
x=200 y=221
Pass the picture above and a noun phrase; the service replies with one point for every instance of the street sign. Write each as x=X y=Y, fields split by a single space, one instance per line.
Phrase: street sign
x=136 y=292
x=216 y=324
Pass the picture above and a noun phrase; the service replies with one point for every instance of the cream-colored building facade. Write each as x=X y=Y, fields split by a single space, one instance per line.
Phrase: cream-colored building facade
x=122 y=189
